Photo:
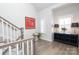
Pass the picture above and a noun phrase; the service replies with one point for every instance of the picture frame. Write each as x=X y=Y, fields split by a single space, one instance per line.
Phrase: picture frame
x=30 y=23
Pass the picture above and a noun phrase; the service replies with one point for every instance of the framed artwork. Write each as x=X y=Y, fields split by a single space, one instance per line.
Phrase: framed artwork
x=29 y=23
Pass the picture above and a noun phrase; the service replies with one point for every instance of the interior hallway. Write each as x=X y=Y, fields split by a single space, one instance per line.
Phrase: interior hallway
x=55 y=48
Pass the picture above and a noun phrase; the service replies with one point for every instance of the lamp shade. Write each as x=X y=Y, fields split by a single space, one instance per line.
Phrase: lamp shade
x=56 y=25
x=75 y=25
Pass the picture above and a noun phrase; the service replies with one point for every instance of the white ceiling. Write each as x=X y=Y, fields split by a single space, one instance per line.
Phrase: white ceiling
x=41 y=6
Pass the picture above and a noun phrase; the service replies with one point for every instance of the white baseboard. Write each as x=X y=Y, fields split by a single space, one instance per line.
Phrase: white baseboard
x=50 y=40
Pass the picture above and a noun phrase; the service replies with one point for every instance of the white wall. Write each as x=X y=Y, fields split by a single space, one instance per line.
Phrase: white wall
x=47 y=16
x=16 y=12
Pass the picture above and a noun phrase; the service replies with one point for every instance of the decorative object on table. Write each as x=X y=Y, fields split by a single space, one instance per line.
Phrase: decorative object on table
x=64 y=29
x=29 y=23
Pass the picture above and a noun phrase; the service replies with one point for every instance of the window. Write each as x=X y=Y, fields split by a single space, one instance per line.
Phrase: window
x=42 y=26
x=65 y=23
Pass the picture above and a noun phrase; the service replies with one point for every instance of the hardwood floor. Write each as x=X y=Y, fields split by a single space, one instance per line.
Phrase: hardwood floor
x=54 y=48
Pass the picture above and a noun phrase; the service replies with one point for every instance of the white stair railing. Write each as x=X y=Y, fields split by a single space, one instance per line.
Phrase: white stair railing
x=25 y=42
x=9 y=31
x=12 y=38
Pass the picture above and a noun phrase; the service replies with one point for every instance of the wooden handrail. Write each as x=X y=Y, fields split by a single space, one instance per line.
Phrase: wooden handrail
x=9 y=22
x=14 y=43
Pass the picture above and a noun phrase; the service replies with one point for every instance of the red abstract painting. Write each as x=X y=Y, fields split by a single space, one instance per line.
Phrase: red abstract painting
x=29 y=23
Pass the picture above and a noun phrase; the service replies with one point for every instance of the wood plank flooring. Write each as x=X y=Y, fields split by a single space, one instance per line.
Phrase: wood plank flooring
x=54 y=48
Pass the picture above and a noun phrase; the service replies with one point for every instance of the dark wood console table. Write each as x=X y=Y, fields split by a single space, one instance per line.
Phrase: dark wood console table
x=71 y=39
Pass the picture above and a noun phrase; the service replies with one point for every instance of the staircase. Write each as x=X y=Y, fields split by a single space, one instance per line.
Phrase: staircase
x=12 y=40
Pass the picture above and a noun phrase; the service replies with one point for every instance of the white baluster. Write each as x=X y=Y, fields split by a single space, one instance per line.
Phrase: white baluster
x=17 y=47
x=10 y=52
x=14 y=35
x=23 y=48
x=17 y=33
x=3 y=29
x=27 y=47
x=10 y=34
x=0 y=51
x=7 y=33
x=32 y=47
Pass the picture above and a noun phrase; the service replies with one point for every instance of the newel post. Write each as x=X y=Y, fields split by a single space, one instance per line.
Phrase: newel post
x=22 y=37
x=22 y=33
